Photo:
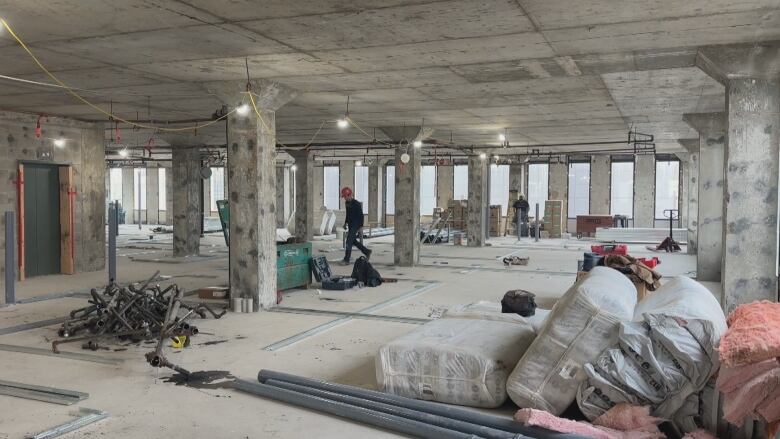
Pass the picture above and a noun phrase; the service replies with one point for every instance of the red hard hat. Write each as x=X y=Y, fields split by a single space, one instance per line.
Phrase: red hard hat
x=346 y=192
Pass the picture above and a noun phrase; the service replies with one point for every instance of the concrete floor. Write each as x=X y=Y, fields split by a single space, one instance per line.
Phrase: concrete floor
x=143 y=405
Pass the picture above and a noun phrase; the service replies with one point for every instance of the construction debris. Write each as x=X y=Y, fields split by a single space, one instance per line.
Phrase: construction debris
x=41 y=393
x=85 y=417
x=136 y=313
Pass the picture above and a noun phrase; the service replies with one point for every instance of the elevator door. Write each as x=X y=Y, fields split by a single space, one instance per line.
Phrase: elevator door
x=41 y=219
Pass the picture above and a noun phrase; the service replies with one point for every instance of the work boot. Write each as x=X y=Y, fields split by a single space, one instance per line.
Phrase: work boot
x=368 y=255
x=345 y=262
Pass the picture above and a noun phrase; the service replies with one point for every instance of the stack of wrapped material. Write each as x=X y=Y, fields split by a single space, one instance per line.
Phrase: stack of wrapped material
x=750 y=369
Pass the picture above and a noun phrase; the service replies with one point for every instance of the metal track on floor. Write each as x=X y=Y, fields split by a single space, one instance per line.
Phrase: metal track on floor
x=340 y=321
x=499 y=270
x=41 y=393
x=354 y=315
x=65 y=355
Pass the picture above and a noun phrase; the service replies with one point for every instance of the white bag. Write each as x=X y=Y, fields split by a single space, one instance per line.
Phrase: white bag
x=662 y=358
x=460 y=361
x=492 y=311
x=581 y=325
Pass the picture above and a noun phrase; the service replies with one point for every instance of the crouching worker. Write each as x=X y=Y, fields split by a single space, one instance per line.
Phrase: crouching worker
x=354 y=225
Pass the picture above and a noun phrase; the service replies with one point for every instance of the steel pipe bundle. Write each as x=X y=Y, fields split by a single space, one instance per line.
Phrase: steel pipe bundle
x=136 y=312
x=409 y=416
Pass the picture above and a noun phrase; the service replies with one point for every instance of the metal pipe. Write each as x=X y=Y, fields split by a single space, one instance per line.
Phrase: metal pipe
x=536 y=220
x=452 y=412
x=358 y=414
x=428 y=418
x=10 y=264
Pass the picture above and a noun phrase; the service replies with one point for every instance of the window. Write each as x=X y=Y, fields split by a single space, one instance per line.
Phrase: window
x=390 y=193
x=427 y=190
x=538 y=174
x=622 y=184
x=361 y=185
x=579 y=189
x=461 y=186
x=115 y=184
x=331 y=187
x=139 y=188
x=162 y=189
x=667 y=186
x=499 y=186
x=217 y=183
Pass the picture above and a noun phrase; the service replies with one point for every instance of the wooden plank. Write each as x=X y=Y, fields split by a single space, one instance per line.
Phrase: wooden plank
x=20 y=197
x=67 y=250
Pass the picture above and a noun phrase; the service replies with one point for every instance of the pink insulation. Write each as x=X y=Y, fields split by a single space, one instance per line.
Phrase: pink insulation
x=541 y=418
x=627 y=417
x=731 y=378
x=699 y=434
x=743 y=401
x=753 y=334
x=644 y=428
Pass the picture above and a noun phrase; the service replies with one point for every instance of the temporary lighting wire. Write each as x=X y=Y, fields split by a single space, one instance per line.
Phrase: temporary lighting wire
x=73 y=93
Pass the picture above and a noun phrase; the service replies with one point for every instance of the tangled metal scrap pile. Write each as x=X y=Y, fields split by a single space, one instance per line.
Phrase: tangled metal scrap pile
x=134 y=312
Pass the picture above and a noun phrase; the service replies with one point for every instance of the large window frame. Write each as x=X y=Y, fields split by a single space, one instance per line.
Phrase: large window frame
x=460 y=184
x=667 y=186
x=139 y=190
x=427 y=189
x=217 y=186
x=361 y=186
x=499 y=187
x=331 y=190
x=390 y=190
x=621 y=193
x=579 y=189
x=114 y=185
x=162 y=190
x=538 y=187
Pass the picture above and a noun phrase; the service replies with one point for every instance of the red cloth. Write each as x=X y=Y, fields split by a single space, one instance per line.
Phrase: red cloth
x=753 y=334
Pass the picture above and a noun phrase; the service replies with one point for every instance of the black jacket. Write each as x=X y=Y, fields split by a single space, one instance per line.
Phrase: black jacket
x=354 y=214
x=522 y=205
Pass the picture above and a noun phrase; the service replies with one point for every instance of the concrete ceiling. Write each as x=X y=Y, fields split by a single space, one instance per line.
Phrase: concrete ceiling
x=546 y=71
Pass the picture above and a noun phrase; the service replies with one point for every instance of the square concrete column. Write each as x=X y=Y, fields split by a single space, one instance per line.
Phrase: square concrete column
x=251 y=167
x=558 y=188
x=690 y=192
x=644 y=190
x=152 y=196
x=750 y=234
x=600 y=184
x=517 y=173
x=186 y=199
x=207 y=196
x=347 y=179
x=305 y=194
x=445 y=185
x=376 y=194
x=407 y=206
x=169 y=196
x=712 y=138
x=477 y=205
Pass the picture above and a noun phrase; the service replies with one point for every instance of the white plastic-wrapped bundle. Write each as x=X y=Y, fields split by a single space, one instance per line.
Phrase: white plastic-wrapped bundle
x=492 y=311
x=662 y=358
x=454 y=360
x=581 y=325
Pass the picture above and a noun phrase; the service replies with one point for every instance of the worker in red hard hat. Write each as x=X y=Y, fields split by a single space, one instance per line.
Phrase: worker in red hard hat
x=353 y=223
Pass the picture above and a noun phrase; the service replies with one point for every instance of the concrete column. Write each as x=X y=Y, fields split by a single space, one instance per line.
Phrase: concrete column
x=375 y=193
x=186 y=196
x=445 y=185
x=600 y=184
x=690 y=193
x=644 y=190
x=407 y=195
x=128 y=195
x=289 y=200
x=750 y=192
x=517 y=173
x=712 y=137
x=558 y=189
x=207 y=196
x=346 y=178
x=152 y=196
x=477 y=206
x=252 y=184
x=280 y=196
x=305 y=197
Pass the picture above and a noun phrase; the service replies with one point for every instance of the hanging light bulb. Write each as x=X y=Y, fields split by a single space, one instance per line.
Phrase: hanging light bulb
x=418 y=143
x=123 y=152
x=59 y=143
x=243 y=110
x=294 y=168
x=342 y=123
x=359 y=163
x=482 y=156
x=502 y=137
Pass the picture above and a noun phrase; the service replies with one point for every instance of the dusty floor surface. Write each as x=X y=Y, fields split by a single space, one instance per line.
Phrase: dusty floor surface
x=143 y=405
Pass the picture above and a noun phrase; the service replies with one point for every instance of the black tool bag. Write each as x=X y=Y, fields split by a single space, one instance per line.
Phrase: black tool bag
x=364 y=272
x=519 y=302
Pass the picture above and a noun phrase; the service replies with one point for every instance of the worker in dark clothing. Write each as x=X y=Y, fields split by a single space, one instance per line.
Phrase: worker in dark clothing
x=521 y=214
x=354 y=225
